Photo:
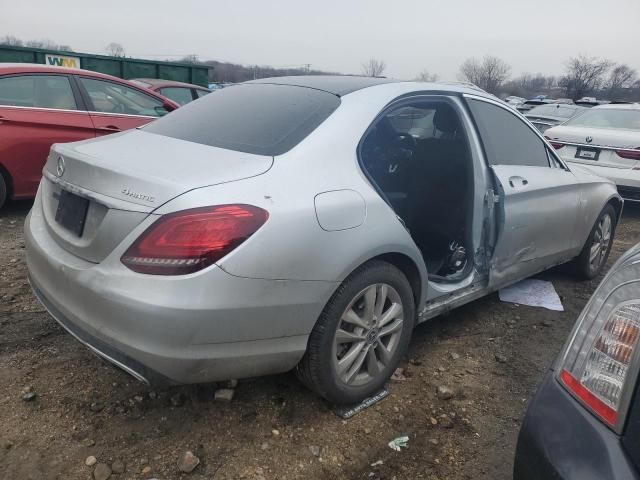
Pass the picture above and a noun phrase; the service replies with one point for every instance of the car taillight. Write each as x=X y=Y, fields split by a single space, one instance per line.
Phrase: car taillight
x=631 y=154
x=602 y=352
x=556 y=145
x=190 y=240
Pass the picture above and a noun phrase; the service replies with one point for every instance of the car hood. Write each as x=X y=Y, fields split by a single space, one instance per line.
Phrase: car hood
x=599 y=136
x=146 y=169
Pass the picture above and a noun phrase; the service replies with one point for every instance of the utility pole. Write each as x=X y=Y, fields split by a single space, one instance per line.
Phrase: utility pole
x=307 y=68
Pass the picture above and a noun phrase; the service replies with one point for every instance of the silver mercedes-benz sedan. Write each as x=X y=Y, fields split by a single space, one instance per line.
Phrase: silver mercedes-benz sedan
x=303 y=222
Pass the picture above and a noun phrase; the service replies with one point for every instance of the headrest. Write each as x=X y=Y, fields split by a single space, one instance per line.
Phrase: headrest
x=446 y=119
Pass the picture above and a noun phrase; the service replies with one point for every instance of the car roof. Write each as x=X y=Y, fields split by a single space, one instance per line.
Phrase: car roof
x=41 y=68
x=161 y=82
x=341 y=85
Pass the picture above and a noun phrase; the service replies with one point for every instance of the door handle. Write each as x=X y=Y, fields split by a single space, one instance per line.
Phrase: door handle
x=111 y=128
x=517 y=181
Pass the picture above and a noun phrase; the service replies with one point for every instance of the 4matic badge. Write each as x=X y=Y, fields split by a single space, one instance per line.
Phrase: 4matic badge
x=138 y=196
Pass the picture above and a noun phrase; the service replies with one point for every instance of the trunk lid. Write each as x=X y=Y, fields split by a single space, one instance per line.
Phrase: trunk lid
x=125 y=177
x=604 y=141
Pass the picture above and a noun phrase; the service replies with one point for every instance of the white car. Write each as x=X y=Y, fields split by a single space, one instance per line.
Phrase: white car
x=606 y=140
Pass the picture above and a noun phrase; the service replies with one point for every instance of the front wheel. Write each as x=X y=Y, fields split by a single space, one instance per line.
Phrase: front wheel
x=596 y=250
x=361 y=335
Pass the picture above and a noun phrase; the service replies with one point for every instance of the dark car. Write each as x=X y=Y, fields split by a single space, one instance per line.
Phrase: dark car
x=179 y=92
x=544 y=117
x=41 y=105
x=584 y=421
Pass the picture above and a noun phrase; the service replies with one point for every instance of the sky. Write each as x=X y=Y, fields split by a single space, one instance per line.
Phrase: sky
x=408 y=35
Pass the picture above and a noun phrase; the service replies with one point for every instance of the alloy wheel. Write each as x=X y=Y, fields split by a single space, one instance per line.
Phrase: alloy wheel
x=601 y=240
x=368 y=334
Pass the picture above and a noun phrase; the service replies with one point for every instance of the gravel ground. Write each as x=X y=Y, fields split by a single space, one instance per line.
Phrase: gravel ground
x=490 y=354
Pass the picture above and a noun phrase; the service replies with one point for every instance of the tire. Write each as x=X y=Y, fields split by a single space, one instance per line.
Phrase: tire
x=3 y=191
x=585 y=265
x=330 y=366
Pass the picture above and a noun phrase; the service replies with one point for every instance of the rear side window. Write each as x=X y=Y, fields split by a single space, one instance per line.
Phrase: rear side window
x=180 y=95
x=201 y=93
x=262 y=119
x=507 y=139
x=37 y=91
x=111 y=97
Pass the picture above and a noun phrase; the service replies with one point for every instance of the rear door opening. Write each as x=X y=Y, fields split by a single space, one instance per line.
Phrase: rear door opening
x=417 y=155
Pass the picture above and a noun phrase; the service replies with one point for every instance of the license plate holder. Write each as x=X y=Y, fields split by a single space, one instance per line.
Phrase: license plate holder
x=72 y=212
x=585 y=153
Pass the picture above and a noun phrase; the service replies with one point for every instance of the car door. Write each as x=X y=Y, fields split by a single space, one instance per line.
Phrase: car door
x=114 y=107
x=536 y=201
x=37 y=110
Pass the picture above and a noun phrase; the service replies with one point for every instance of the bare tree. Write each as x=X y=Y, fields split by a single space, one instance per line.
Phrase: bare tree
x=115 y=49
x=193 y=58
x=621 y=77
x=425 y=76
x=584 y=75
x=373 y=68
x=11 y=40
x=489 y=74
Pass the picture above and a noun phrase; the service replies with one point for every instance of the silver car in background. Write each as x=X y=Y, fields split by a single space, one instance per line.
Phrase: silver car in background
x=303 y=222
x=606 y=140
x=544 y=117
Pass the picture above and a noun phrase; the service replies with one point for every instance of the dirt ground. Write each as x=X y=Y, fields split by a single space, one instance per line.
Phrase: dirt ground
x=492 y=354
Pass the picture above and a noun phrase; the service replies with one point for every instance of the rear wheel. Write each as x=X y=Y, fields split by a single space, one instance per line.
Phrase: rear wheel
x=596 y=250
x=361 y=335
x=3 y=190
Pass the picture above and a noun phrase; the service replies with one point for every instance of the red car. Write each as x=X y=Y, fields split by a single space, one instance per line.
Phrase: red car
x=179 y=92
x=41 y=105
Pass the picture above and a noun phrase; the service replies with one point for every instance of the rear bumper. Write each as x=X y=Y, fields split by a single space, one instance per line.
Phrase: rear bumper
x=202 y=327
x=559 y=439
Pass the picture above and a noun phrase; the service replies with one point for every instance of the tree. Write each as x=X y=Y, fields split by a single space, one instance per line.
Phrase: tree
x=425 y=76
x=489 y=74
x=193 y=58
x=621 y=77
x=584 y=75
x=115 y=49
x=11 y=40
x=373 y=68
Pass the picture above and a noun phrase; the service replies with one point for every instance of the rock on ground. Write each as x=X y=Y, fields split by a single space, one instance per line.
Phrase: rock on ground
x=188 y=462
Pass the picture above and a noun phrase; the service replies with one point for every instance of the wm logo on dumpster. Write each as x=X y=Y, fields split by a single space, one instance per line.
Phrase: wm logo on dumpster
x=62 y=61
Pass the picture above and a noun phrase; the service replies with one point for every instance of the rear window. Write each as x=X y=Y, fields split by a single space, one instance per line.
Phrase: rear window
x=262 y=119
x=608 y=118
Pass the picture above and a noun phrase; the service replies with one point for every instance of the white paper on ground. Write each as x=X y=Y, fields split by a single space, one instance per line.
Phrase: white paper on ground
x=532 y=292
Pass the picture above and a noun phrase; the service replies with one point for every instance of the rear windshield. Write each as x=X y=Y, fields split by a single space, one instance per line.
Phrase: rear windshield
x=552 y=111
x=608 y=118
x=263 y=119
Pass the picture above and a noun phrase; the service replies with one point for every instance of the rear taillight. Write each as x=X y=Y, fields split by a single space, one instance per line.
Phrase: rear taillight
x=556 y=145
x=629 y=154
x=602 y=352
x=190 y=240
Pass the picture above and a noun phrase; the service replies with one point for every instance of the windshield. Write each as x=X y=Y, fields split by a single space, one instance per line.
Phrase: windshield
x=264 y=119
x=553 y=111
x=608 y=118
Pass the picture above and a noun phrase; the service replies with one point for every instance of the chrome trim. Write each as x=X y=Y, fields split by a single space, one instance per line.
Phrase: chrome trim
x=106 y=200
x=601 y=147
x=108 y=114
x=84 y=112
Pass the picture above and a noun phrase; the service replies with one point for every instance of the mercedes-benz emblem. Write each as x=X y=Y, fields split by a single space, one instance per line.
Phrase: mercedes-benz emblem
x=589 y=139
x=60 y=167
